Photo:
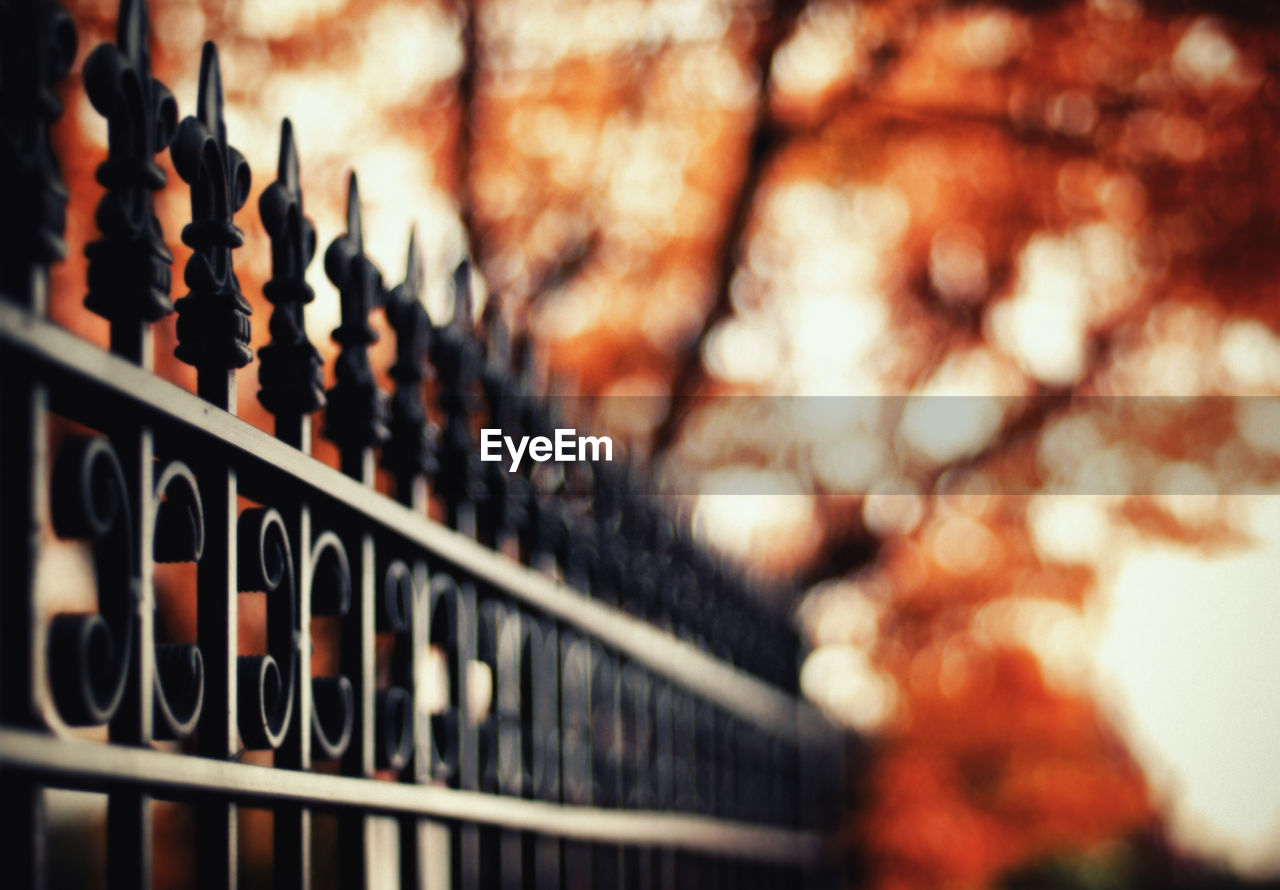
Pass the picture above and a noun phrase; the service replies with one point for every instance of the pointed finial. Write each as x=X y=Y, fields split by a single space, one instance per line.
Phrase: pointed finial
x=410 y=452
x=291 y=371
x=358 y=281
x=356 y=417
x=463 y=300
x=133 y=31
x=213 y=318
x=412 y=285
x=354 y=232
x=209 y=97
x=287 y=166
x=497 y=342
x=129 y=277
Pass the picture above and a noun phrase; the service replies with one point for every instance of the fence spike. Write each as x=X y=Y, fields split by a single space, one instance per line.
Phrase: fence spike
x=129 y=277
x=37 y=47
x=410 y=450
x=456 y=357
x=357 y=414
x=507 y=493
x=291 y=370
x=213 y=318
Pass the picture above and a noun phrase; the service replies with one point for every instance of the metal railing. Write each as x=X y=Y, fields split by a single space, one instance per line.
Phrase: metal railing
x=644 y=728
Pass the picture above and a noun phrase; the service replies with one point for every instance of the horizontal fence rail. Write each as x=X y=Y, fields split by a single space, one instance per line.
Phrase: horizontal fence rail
x=555 y=687
x=113 y=386
x=82 y=765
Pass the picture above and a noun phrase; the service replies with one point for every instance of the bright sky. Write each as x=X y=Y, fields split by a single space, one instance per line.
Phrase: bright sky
x=1180 y=648
x=1188 y=658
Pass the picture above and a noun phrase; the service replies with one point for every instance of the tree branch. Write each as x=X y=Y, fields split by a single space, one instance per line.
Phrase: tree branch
x=466 y=126
x=762 y=147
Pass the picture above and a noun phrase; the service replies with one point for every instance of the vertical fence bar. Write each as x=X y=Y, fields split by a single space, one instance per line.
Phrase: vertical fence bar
x=213 y=335
x=23 y=512
x=217 y=618
x=129 y=282
x=500 y=513
x=466 y=845
x=605 y=729
x=456 y=357
x=410 y=457
x=129 y=817
x=291 y=377
x=292 y=836
x=490 y=618
x=511 y=690
x=545 y=688
x=37 y=47
x=414 y=832
x=575 y=734
x=356 y=421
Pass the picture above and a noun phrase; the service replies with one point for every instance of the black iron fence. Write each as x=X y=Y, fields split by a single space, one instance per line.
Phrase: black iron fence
x=643 y=727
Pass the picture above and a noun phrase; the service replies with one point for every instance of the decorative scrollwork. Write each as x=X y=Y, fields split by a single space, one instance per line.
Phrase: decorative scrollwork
x=291 y=372
x=490 y=616
x=575 y=710
x=333 y=699
x=178 y=536
x=662 y=768
x=637 y=737
x=129 y=275
x=265 y=700
x=606 y=755
x=393 y=741
x=501 y=646
x=88 y=655
x=357 y=414
x=410 y=450
x=684 y=781
x=37 y=47
x=540 y=709
x=446 y=715
x=213 y=318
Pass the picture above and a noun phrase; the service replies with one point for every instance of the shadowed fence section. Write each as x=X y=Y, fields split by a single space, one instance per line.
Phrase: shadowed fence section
x=541 y=692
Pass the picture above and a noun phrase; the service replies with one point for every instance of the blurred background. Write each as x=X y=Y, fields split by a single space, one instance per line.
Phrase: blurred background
x=1043 y=600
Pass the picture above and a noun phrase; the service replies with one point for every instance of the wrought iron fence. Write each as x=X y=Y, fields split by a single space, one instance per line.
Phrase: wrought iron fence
x=644 y=728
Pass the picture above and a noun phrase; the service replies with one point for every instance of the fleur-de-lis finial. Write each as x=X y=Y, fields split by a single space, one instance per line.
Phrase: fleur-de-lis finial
x=499 y=383
x=410 y=451
x=456 y=357
x=291 y=371
x=213 y=318
x=37 y=47
x=129 y=274
x=357 y=412
x=505 y=493
x=539 y=528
